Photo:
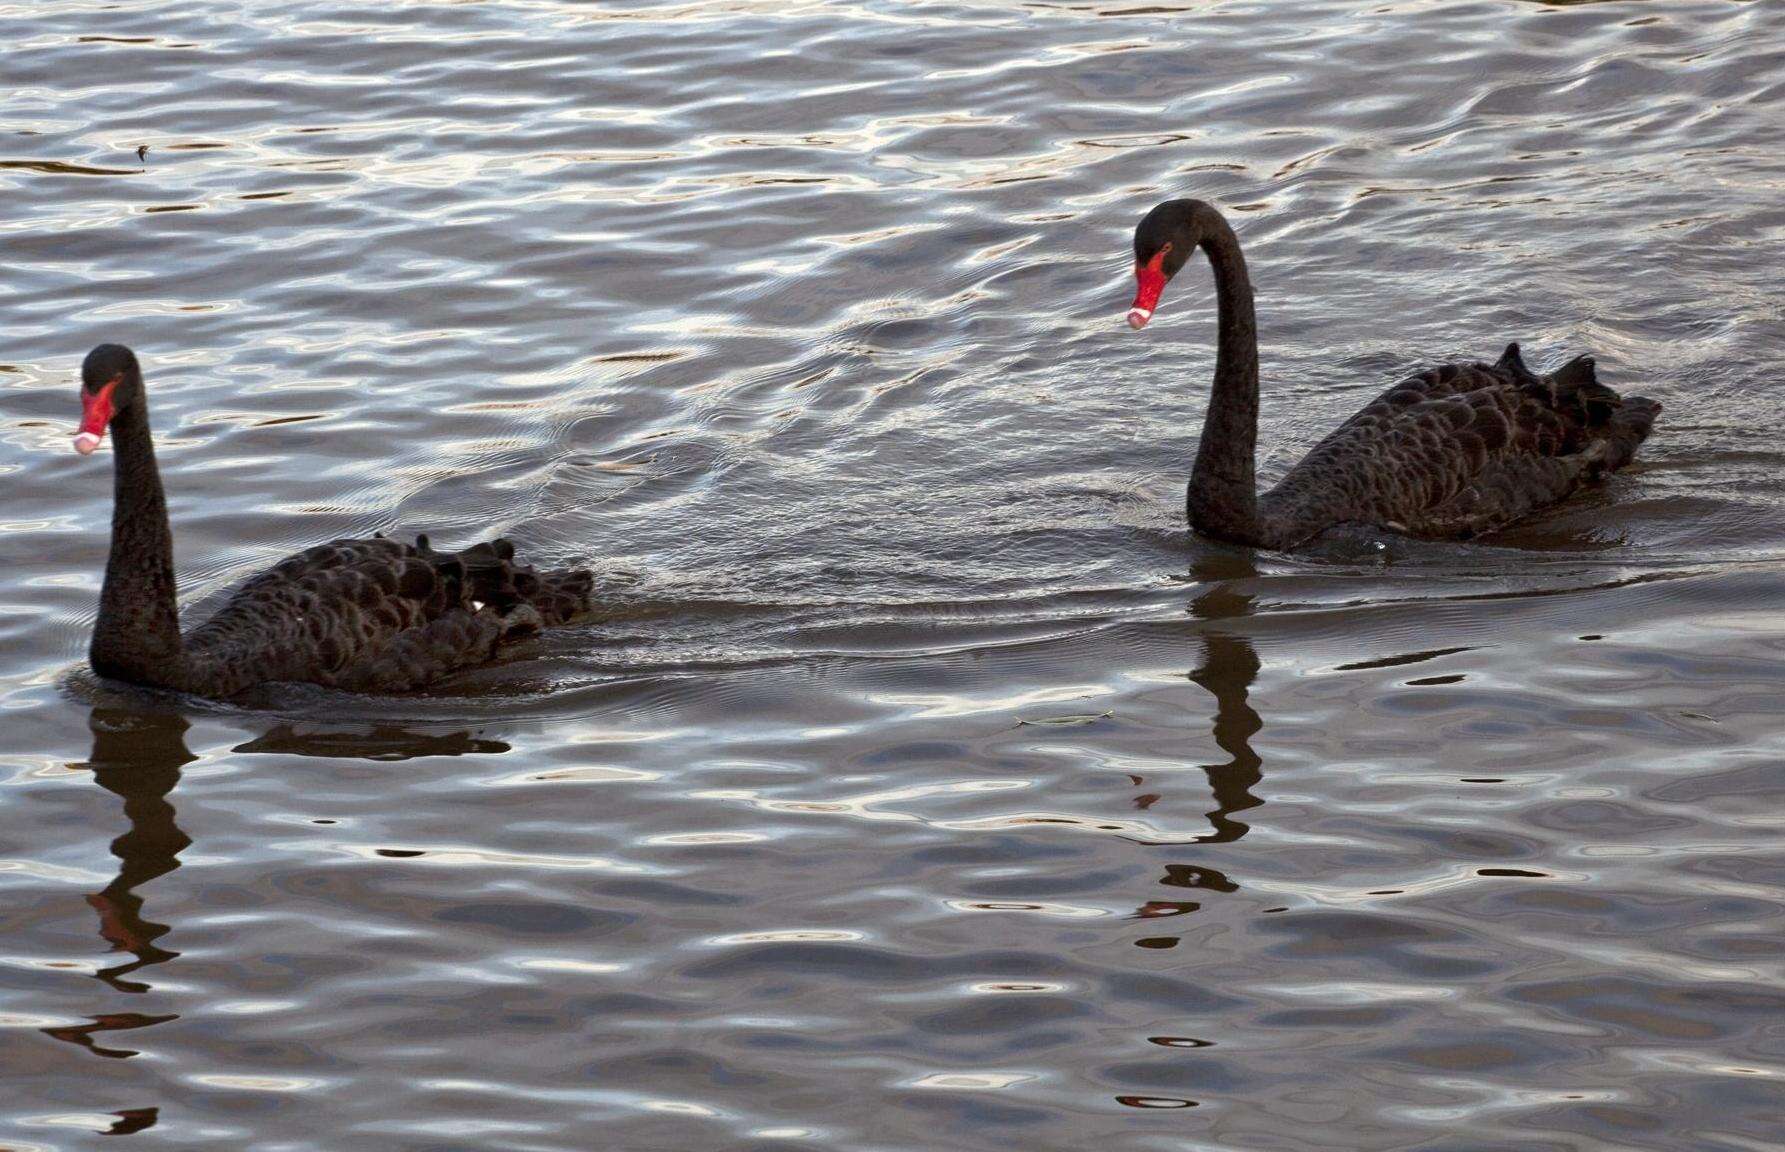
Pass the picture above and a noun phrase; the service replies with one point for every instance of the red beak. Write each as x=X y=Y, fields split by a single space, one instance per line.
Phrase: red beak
x=1151 y=279
x=96 y=413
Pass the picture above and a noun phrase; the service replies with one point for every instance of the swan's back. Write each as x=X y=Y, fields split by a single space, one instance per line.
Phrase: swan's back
x=1463 y=449
x=377 y=615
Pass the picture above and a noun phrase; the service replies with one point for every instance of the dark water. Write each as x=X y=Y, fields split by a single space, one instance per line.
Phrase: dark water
x=928 y=787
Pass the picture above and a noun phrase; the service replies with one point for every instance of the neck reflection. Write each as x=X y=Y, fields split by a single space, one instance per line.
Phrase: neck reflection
x=138 y=758
x=1228 y=669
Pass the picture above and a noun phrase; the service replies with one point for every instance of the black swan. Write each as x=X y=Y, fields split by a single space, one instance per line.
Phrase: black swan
x=365 y=615
x=1453 y=452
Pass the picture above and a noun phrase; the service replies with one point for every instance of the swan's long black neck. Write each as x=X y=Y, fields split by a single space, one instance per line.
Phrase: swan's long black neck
x=1223 y=498
x=137 y=635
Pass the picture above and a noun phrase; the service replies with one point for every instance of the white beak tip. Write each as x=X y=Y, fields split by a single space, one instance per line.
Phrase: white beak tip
x=1138 y=317
x=85 y=443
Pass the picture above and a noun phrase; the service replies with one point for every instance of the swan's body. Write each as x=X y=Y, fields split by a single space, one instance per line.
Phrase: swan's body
x=366 y=615
x=1452 y=452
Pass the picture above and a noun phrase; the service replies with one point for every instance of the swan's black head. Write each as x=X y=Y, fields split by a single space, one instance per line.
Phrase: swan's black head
x=1163 y=241
x=110 y=383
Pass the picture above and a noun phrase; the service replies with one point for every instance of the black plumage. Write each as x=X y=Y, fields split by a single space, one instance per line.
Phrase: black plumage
x=373 y=615
x=1453 y=452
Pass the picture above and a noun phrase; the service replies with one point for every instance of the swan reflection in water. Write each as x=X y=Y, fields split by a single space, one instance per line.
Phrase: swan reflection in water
x=1228 y=669
x=137 y=756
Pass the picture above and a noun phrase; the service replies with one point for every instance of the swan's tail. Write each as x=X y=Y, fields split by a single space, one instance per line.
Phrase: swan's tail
x=492 y=577
x=1618 y=424
x=1629 y=427
x=559 y=596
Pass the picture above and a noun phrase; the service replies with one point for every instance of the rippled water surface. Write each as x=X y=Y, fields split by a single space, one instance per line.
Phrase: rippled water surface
x=925 y=785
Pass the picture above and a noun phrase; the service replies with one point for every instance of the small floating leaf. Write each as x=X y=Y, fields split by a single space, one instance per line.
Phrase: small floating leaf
x=1079 y=718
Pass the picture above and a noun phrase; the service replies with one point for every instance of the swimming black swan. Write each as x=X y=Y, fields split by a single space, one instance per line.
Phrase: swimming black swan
x=366 y=615
x=1453 y=452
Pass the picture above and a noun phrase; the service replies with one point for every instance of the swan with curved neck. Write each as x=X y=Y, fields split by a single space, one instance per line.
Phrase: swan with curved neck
x=367 y=615
x=1453 y=452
